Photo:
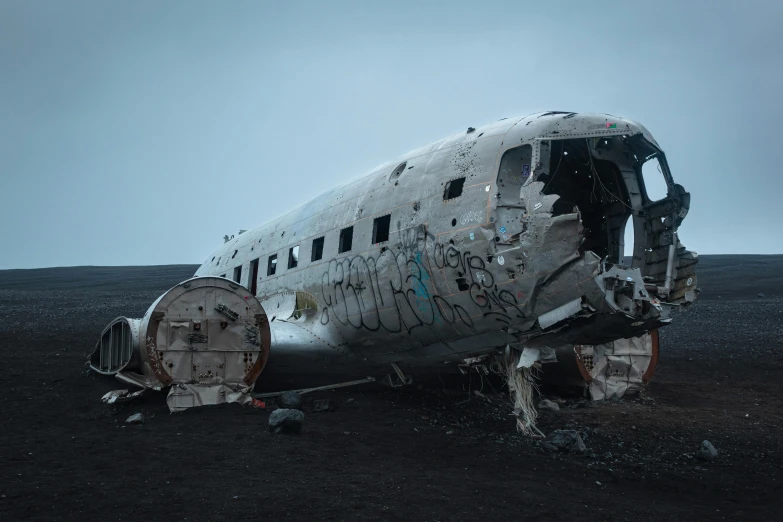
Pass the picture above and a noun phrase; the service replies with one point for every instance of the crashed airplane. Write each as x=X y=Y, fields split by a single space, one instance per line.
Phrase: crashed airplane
x=498 y=249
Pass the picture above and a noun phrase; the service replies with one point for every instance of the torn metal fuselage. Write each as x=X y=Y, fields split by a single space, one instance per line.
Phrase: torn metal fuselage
x=509 y=235
x=569 y=225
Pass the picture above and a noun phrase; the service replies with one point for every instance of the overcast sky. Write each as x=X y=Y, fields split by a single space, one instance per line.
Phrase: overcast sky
x=137 y=133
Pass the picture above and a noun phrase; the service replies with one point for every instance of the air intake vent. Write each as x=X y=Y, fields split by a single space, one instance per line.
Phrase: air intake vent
x=116 y=347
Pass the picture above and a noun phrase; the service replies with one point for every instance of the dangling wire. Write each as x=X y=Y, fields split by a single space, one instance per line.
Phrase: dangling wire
x=595 y=173
x=562 y=149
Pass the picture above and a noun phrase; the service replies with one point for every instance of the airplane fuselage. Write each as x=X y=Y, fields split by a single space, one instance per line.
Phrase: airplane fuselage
x=508 y=234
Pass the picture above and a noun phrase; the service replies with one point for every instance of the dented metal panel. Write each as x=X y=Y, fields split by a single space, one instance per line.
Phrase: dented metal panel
x=207 y=333
x=509 y=234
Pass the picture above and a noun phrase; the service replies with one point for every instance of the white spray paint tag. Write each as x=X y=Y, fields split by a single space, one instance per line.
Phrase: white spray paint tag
x=537 y=206
x=501 y=261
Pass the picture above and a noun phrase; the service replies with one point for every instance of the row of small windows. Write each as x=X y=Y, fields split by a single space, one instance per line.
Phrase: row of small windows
x=380 y=233
x=380 y=227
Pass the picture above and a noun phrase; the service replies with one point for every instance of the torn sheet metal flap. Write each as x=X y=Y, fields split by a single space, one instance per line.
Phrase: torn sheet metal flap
x=120 y=396
x=560 y=313
x=137 y=379
x=184 y=396
x=528 y=357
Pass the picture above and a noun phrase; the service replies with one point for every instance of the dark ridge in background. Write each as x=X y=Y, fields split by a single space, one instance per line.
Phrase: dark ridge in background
x=720 y=276
x=739 y=276
x=141 y=278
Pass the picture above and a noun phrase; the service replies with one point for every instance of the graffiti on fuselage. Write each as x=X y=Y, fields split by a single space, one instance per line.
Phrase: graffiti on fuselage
x=395 y=290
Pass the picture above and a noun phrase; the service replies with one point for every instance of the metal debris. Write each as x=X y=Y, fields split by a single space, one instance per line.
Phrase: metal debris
x=121 y=396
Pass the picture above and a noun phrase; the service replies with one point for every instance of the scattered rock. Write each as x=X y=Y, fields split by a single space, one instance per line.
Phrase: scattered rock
x=286 y=420
x=608 y=455
x=321 y=405
x=290 y=400
x=564 y=440
x=761 y=294
x=136 y=418
x=546 y=404
x=707 y=451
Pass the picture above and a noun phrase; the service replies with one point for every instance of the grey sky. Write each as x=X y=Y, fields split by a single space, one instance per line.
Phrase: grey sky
x=141 y=132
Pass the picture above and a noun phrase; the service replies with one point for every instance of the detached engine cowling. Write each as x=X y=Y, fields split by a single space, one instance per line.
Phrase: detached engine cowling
x=207 y=337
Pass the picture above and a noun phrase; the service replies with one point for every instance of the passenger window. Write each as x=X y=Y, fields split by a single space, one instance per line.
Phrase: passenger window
x=293 y=256
x=453 y=189
x=271 y=266
x=380 y=229
x=346 y=240
x=318 y=249
x=238 y=273
x=253 y=276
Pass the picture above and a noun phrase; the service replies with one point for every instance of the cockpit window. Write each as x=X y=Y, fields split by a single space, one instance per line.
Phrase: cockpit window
x=514 y=172
x=654 y=182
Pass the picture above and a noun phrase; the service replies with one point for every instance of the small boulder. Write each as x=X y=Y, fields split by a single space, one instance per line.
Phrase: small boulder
x=290 y=400
x=285 y=420
x=136 y=418
x=321 y=405
x=564 y=440
x=546 y=404
x=707 y=451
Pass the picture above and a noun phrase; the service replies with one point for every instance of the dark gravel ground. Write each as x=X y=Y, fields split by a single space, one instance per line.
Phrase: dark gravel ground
x=403 y=454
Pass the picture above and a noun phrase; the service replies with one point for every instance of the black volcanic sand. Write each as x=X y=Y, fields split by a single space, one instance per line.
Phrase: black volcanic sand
x=402 y=454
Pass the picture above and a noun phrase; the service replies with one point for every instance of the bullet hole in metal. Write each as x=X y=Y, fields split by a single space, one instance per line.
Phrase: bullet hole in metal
x=454 y=222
